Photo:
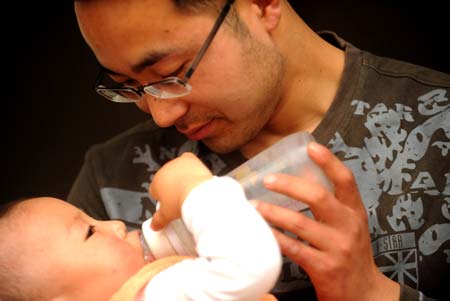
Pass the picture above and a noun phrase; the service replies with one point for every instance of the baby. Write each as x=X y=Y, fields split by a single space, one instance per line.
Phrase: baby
x=50 y=250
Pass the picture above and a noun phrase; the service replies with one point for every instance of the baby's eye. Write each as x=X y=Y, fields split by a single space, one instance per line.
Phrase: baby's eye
x=90 y=231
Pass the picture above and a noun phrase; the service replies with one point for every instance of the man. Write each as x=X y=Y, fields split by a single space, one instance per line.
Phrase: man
x=227 y=79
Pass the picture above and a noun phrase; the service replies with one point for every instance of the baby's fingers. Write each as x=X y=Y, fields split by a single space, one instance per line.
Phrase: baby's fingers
x=158 y=221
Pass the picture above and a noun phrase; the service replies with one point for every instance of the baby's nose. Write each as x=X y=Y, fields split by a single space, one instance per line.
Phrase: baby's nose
x=115 y=227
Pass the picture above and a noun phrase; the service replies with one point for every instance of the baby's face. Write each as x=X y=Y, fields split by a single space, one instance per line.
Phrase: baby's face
x=83 y=258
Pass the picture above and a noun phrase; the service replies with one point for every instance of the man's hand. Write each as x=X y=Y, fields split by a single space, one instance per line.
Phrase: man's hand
x=338 y=257
x=171 y=185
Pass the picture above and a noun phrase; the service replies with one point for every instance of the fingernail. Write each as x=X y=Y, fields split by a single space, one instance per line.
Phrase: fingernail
x=254 y=203
x=314 y=146
x=270 y=179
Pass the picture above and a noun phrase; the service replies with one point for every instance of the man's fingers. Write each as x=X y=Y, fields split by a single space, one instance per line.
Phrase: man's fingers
x=346 y=190
x=299 y=252
x=316 y=233
x=322 y=202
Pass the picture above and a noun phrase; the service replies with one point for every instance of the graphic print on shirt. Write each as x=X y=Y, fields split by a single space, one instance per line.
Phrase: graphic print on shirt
x=134 y=207
x=389 y=167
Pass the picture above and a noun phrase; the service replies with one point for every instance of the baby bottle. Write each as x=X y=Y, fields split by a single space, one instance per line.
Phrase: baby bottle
x=289 y=156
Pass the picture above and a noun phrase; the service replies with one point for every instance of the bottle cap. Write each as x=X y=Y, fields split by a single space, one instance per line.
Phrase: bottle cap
x=180 y=238
x=174 y=239
x=157 y=241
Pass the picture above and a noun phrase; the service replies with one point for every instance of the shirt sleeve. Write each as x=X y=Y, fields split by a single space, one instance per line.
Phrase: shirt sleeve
x=238 y=256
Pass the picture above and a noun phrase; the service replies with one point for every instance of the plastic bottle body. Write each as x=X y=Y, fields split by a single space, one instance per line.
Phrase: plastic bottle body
x=289 y=155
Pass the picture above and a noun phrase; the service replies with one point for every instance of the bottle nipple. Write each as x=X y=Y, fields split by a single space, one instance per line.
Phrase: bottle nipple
x=148 y=256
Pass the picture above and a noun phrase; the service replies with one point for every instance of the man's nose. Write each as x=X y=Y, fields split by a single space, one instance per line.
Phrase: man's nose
x=114 y=227
x=166 y=112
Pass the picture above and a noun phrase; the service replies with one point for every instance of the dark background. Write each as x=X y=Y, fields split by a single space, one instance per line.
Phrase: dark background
x=51 y=115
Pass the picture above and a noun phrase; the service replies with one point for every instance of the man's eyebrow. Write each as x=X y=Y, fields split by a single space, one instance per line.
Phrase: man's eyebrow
x=104 y=69
x=149 y=60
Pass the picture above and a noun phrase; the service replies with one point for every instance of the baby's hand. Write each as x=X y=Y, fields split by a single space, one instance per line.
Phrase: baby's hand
x=171 y=185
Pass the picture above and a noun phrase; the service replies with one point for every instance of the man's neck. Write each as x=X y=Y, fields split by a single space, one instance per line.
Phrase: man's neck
x=313 y=69
x=262 y=141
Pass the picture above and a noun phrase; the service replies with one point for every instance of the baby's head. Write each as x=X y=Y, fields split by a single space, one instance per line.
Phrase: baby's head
x=51 y=250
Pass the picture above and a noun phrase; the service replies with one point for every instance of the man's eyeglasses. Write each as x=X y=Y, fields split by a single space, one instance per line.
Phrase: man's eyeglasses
x=170 y=87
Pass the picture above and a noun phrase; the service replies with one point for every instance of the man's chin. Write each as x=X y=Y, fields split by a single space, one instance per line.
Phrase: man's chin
x=221 y=147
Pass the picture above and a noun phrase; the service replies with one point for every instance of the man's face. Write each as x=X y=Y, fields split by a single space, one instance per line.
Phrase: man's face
x=235 y=88
x=72 y=254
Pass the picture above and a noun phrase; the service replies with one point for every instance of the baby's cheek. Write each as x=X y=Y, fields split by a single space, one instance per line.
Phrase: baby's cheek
x=128 y=257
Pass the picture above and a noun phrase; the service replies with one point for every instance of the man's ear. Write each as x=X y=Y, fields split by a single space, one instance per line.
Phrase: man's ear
x=269 y=11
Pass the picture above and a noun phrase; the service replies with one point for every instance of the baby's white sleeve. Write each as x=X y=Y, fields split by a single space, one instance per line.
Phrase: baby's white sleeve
x=238 y=256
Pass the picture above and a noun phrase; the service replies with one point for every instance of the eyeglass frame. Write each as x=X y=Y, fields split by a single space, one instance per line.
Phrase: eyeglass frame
x=183 y=82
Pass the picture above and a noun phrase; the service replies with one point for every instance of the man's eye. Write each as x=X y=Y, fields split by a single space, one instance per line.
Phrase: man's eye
x=90 y=231
x=176 y=72
x=111 y=81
